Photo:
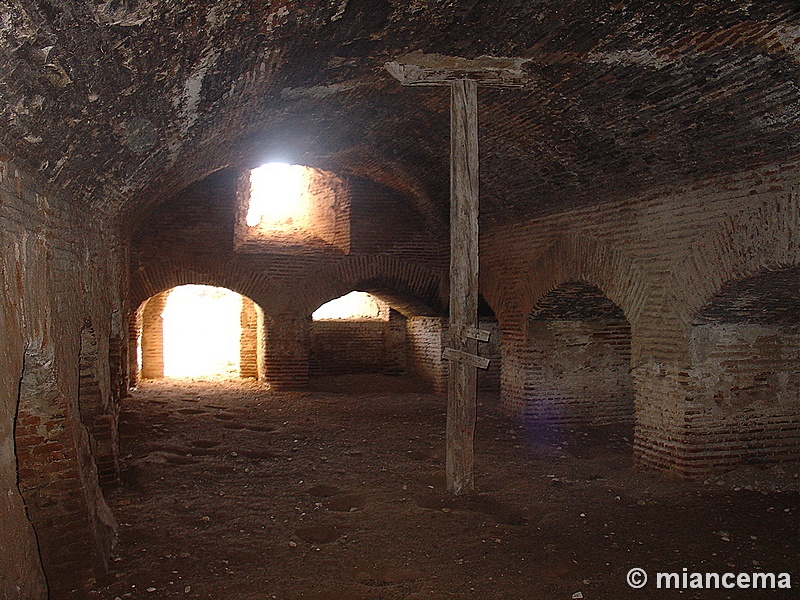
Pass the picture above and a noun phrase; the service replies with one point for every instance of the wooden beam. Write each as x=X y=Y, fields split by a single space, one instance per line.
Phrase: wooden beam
x=481 y=362
x=463 y=76
x=434 y=69
x=462 y=389
x=482 y=335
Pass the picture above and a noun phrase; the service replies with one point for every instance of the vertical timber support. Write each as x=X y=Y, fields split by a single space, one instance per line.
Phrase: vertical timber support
x=462 y=388
x=463 y=77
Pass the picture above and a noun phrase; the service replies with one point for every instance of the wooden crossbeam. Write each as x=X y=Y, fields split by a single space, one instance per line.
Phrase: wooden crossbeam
x=434 y=69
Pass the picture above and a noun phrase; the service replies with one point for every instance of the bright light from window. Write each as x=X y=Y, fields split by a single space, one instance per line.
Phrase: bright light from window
x=202 y=331
x=277 y=200
x=355 y=305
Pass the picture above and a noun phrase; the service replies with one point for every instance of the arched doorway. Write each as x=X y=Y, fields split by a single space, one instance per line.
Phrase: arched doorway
x=200 y=331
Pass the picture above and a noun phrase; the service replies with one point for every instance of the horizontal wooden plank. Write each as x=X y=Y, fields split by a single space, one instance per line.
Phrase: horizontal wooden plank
x=482 y=335
x=466 y=358
x=435 y=69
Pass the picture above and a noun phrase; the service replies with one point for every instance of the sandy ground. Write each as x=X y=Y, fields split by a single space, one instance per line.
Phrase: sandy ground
x=230 y=491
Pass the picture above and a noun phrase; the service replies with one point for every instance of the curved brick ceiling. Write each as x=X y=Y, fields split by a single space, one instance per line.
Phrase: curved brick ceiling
x=123 y=103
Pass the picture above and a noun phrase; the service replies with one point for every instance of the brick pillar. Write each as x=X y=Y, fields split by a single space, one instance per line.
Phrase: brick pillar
x=153 y=337
x=117 y=362
x=248 y=348
x=489 y=379
x=21 y=574
x=425 y=337
x=134 y=331
x=661 y=390
x=287 y=349
x=514 y=364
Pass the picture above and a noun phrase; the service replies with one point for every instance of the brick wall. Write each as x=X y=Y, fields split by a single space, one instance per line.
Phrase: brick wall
x=340 y=347
x=426 y=344
x=358 y=346
x=659 y=258
x=98 y=410
x=578 y=359
x=62 y=268
x=745 y=348
x=190 y=239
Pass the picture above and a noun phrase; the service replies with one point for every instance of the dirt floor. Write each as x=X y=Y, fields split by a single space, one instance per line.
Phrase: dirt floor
x=230 y=491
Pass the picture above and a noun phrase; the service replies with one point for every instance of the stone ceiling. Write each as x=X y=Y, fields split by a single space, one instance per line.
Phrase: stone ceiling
x=123 y=103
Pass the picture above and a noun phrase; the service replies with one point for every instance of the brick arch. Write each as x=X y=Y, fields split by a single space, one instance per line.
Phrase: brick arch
x=572 y=257
x=411 y=288
x=152 y=280
x=577 y=358
x=583 y=258
x=766 y=238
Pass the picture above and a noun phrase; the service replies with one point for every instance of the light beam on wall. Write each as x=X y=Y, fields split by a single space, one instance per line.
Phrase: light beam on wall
x=277 y=198
x=202 y=331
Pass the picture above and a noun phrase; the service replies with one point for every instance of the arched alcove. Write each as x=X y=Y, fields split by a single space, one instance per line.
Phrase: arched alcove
x=579 y=345
x=357 y=333
x=291 y=205
x=200 y=331
x=745 y=353
x=390 y=332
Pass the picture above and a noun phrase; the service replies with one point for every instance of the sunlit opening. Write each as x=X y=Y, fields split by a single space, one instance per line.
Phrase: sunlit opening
x=202 y=330
x=277 y=198
x=355 y=305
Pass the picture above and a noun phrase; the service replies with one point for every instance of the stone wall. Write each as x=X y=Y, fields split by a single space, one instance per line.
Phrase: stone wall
x=660 y=259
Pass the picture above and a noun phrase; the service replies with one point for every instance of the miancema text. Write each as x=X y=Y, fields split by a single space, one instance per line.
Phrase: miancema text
x=712 y=581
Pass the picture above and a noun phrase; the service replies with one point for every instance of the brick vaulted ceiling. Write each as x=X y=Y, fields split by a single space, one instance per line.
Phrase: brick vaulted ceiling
x=122 y=103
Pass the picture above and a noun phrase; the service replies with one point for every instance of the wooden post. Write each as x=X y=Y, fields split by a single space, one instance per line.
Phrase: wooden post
x=463 y=77
x=462 y=389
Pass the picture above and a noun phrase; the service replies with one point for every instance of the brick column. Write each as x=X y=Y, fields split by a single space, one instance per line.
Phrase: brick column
x=287 y=349
x=425 y=338
x=248 y=348
x=153 y=337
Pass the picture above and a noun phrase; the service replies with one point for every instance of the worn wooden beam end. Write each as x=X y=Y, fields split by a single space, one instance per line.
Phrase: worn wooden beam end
x=435 y=69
